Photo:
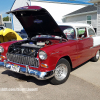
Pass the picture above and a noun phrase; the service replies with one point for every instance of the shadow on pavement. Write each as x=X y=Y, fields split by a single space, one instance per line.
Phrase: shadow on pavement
x=21 y=77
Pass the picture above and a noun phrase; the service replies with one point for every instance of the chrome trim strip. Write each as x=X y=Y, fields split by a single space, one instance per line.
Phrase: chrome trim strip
x=35 y=73
x=36 y=63
x=91 y=47
x=55 y=53
x=22 y=64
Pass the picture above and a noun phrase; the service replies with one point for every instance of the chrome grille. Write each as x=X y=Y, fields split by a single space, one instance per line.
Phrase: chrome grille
x=21 y=59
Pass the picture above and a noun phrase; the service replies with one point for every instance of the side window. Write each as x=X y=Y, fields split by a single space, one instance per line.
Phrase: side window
x=81 y=32
x=91 y=32
x=69 y=32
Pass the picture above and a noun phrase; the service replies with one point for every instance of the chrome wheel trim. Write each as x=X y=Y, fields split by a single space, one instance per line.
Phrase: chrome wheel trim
x=97 y=55
x=61 y=72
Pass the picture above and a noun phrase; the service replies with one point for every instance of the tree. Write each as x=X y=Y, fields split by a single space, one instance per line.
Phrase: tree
x=6 y=19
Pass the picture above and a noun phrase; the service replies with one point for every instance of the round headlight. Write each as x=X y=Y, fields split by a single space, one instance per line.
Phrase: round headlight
x=42 y=55
x=1 y=49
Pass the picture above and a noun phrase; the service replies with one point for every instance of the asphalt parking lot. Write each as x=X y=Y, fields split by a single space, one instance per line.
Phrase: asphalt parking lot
x=83 y=84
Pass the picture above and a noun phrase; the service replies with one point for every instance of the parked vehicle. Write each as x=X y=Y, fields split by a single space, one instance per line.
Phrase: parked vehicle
x=49 y=58
x=2 y=27
x=8 y=35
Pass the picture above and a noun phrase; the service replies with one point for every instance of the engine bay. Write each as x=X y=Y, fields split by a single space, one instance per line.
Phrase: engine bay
x=30 y=47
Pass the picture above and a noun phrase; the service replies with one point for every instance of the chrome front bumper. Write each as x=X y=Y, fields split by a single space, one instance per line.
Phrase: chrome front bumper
x=35 y=73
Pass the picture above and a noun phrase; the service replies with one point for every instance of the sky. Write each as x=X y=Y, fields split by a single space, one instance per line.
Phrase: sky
x=5 y=6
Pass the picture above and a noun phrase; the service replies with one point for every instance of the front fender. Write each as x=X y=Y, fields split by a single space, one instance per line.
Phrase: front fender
x=53 y=59
x=58 y=51
x=6 y=45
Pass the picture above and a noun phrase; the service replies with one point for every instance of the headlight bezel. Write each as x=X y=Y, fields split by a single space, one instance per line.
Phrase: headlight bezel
x=1 y=49
x=42 y=55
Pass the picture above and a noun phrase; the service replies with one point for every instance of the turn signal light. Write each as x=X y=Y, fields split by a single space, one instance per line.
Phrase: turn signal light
x=2 y=57
x=44 y=65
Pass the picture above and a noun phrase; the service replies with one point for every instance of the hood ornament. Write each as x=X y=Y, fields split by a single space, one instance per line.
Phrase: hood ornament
x=38 y=21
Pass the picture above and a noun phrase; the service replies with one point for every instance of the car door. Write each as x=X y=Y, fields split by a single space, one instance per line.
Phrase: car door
x=96 y=40
x=84 y=44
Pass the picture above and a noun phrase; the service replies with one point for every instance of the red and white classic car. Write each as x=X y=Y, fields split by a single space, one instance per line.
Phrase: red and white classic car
x=50 y=58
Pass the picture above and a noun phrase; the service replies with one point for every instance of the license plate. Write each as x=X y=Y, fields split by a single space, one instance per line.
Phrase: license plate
x=15 y=68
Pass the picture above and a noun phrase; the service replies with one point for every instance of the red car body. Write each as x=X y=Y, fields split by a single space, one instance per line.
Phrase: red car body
x=76 y=51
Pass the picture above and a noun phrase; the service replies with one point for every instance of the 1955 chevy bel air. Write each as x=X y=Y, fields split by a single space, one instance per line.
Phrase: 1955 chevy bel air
x=57 y=50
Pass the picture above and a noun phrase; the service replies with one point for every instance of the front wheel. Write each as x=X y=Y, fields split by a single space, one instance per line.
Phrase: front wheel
x=96 y=57
x=62 y=72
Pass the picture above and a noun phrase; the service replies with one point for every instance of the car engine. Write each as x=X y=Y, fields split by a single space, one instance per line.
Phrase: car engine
x=25 y=52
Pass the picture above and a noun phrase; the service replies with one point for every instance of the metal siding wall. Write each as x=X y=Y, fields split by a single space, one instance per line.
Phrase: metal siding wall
x=8 y=25
x=17 y=25
x=98 y=18
x=17 y=4
x=76 y=19
x=94 y=20
x=82 y=19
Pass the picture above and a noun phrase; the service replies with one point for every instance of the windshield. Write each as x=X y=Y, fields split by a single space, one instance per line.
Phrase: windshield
x=68 y=31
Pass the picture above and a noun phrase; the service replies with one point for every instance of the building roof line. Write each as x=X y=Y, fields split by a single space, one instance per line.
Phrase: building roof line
x=80 y=14
x=86 y=9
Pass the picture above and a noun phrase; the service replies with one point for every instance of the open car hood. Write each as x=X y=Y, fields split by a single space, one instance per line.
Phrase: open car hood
x=37 y=21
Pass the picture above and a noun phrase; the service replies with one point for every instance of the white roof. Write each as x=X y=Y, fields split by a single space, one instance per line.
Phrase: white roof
x=76 y=25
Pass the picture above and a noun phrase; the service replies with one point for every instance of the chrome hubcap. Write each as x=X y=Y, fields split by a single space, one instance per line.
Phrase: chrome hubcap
x=61 y=72
x=97 y=55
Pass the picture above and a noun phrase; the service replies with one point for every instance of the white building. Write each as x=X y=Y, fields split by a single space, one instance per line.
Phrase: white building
x=86 y=15
x=57 y=10
x=97 y=3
